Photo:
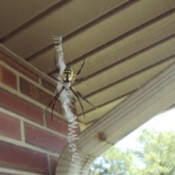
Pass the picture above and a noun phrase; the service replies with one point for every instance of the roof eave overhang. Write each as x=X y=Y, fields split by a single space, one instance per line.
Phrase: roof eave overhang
x=154 y=97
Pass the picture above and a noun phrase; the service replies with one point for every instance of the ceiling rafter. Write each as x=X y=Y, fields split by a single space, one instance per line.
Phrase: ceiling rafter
x=124 y=60
x=83 y=28
x=115 y=40
x=34 y=19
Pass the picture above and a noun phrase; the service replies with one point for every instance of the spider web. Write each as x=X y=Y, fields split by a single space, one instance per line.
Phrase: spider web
x=65 y=98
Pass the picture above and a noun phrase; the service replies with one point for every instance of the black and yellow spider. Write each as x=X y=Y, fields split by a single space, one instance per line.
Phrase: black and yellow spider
x=66 y=82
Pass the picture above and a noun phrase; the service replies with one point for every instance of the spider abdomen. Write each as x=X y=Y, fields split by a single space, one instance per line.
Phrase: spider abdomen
x=68 y=74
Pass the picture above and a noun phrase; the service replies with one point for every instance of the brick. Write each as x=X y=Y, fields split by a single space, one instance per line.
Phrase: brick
x=57 y=124
x=38 y=94
x=9 y=126
x=44 y=139
x=48 y=85
x=8 y=77
x=12 y=156
x=20 y=106
x=29 y=89
x=18 y=67
x=53 y=164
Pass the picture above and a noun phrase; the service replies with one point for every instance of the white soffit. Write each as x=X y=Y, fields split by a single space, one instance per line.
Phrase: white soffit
x=154 y=97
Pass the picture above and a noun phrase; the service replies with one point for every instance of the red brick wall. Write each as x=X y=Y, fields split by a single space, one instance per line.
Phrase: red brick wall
x=30 y=143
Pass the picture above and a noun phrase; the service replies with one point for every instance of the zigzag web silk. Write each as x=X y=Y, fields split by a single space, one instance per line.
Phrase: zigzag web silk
x=66 y=97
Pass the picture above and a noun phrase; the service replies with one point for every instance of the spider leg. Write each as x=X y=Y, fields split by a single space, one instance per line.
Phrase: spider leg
x=81 y=67
x=53 y=105
x=53 y=101
x=83 y=98
x=79 y=80
x=57 y=79
x=75 y=93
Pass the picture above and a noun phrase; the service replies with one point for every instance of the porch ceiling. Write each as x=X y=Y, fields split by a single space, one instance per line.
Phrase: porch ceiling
x=125 y=43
